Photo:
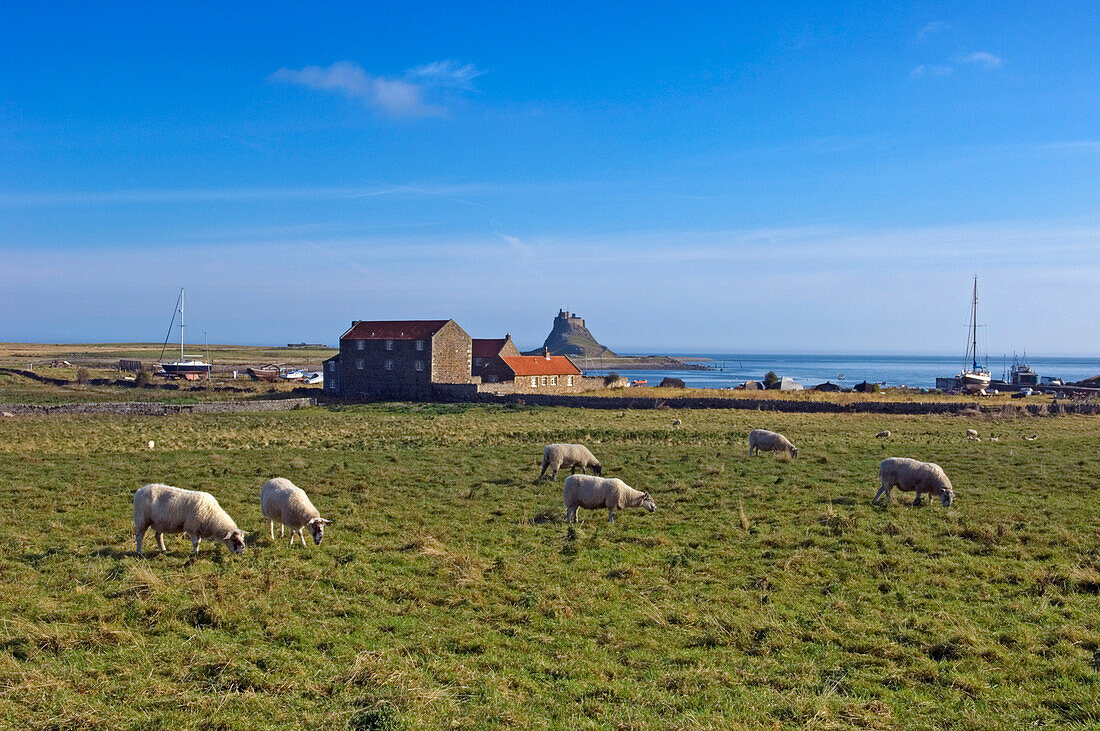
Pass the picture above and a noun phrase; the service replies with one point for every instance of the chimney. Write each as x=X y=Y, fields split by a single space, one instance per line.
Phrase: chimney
x=546 y=352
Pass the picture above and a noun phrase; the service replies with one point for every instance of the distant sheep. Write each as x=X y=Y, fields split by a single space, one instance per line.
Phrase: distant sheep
x=168 y=509
x=592 y=493
x=911 y=475
x=972 y=434
x=884 y=434
x=676 y=422
x=762 y=440
x=556 y=456
x=283 y=501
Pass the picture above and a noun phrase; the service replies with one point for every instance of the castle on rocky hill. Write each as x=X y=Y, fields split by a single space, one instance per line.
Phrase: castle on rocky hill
x=569 y=336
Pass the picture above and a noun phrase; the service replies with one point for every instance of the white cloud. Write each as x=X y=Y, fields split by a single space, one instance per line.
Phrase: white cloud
x=931 y=29
x=983 y=59
x=404 y=96
x=931 y=70
x=446 y=73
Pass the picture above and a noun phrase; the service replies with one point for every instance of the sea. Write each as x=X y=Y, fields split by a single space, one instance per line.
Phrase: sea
x=914 y=371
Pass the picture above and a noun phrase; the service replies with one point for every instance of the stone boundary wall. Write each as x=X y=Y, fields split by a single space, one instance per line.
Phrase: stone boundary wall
x=141 y=408
x=910 y=408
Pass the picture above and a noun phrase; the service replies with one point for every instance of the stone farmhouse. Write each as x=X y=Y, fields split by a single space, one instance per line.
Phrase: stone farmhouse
x=426 y=359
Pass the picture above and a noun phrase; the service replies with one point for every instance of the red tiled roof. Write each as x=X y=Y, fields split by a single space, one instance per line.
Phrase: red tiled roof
x=540 y=365
x=393 y=329
x=488 y=347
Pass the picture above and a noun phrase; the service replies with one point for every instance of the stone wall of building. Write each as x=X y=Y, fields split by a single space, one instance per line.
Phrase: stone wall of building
x=452 y=354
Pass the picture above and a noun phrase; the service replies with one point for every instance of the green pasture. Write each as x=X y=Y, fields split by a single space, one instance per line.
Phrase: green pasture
x=765 y=592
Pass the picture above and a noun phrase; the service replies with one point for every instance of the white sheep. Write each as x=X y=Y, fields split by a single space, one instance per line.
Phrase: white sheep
x=972 y=434
x=770 y=441
x=556 y=456
x=911 y=475
x=588 y=491
x=676 y=422
x=168 y=509
x=283 y=501
x=884 y=434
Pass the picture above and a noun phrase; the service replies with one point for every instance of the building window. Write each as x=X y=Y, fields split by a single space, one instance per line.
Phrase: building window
x=419 y=344
x=360 y=363
x=569 y=380
x=553 y=380
x=534 y=381
x=389 y=345
x=419 y=365
x=332 y=365
x=360 y=344
x=544 y=380
x=389 y=365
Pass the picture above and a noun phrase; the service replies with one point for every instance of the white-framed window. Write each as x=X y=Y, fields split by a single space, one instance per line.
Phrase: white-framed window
x=553 y=380
x=569 y=380
x=389 y=345
x=332 y=365
x=389 y=365
x=360 y=344
x=360 y=364
x=419 y=344
x=544 y=380
x=419 y=365
x=534 y=381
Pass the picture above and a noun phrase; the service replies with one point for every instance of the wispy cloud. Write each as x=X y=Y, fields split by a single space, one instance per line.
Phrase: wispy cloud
x=409 y=95
x=932 y=29
x=931 y=70
x=983 y=59
x=446 y=73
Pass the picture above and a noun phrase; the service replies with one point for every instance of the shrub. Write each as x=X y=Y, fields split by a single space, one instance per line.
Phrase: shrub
x=669 y=382
x=610 y=378
x=771 y=379
x=82 y=376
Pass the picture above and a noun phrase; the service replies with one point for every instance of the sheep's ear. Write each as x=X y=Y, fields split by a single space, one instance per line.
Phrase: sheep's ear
x=321 y=521
x=227 y=536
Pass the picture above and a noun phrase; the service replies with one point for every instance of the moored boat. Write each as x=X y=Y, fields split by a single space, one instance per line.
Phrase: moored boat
x=188 y=366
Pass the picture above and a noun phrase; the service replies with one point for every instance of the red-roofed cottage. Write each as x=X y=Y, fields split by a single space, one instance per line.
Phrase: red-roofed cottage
x=535 y=373
x=401 y=359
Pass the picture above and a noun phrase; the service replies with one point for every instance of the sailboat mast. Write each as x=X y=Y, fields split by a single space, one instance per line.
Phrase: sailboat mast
x=180 y=324
x=974 y=330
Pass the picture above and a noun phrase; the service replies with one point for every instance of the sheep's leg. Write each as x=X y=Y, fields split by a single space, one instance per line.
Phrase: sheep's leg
x=916 y=500
x=140 y=533
x=195 y=541
x=543 y=473
x=282 y=529
x=273 y=530
x=885 y=489
x=160 y=542
x=571 y=514
x=611 y=515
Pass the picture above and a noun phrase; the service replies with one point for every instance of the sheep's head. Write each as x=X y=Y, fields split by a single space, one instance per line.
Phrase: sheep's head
x=317 y=528
x=647 y=503
x=794 y=451
x=597 y=469
x=947 y=497
x=234 y=541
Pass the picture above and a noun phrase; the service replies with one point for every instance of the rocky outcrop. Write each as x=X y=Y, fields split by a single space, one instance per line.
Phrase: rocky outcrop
x=569 y=336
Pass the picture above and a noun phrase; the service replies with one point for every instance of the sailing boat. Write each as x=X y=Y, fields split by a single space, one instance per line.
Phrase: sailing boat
x=974 y=376
x=182 y=368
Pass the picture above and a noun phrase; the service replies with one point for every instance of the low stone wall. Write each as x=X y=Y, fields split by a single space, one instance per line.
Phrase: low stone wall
x=137 y=408
x=907 y=408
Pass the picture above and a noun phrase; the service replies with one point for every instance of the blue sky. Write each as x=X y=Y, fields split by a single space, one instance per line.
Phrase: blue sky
x=724 y=178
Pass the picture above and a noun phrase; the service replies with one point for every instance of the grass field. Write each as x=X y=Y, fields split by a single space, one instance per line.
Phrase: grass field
x=763 y=593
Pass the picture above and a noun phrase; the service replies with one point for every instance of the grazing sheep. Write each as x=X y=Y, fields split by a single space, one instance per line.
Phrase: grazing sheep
x=283 y=501
x=884 y=434
x=151 y=444
x=972 y=434
x=911 y=475
x=168 y=509
x=556 y=456
x=1032 y=438
x=676 y=422
x=769 y=441
x=587 y=491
